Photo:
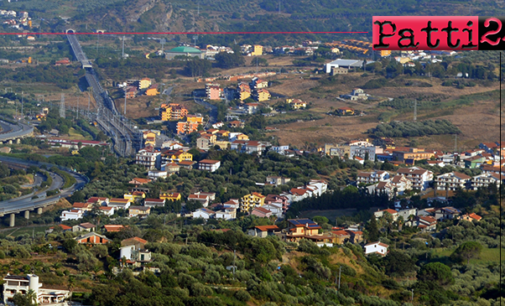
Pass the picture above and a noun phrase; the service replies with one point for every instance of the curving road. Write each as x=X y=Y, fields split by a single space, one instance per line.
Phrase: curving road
x=11 y=131
x=27 y=203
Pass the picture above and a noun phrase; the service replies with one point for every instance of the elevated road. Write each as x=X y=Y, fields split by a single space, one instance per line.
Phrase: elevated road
x=12 y=132
x=118 y=127
x=26 y=203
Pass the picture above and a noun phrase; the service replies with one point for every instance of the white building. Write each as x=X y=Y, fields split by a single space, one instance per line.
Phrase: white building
x=371 y=177
x=420 y=177
x=209 y=165
x=22 y=284
x=107 y=211
x=452 y=180
x=156 y=174
x=149 y=158
x=376 y=248
x=73 y=214
x=275 y=208
x=226 y=214
x=203 y=213
x=484 y=180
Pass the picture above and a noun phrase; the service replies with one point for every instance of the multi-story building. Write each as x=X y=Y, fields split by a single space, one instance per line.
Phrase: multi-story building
x=452 y=181
x=413 y=154
x=244 y=91
x=401 y=183
x=249 y=201
x=419 y=177
x=363 y=149
x=296 y=103
x=144 y=83
x=213 y=91
x=372 y=177
x=139 y=211
x=172 y=156
x=307 y=229
x=22 y=284
x=186 y=127
x=261 y=95
x=257 y=83
x=196 y=118
x=133 y=251
x=209 y=165
x=152 y=90
x=257 y=50
x=149 y=158
x=484 y=180
x=277 y=180
x=172 y=111
x=251 y=108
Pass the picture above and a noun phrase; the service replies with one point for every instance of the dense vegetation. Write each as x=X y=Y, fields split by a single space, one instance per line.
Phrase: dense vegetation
x=417 y=128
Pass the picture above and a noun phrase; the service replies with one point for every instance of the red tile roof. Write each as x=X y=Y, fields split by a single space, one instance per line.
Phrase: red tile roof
x=113 y=228
x=267 y=227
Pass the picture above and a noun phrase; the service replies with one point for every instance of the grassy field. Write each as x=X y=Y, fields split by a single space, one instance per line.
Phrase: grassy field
x=487 y=255
x=26 y=230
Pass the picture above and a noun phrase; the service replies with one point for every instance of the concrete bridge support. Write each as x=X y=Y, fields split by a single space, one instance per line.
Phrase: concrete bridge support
x=27 y=214
x=39 y=211
x=18 y=141
x=12 y=220
x=9 y=142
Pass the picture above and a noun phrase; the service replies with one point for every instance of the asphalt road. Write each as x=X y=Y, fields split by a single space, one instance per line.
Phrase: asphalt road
x=27 y=203
x=10 y=131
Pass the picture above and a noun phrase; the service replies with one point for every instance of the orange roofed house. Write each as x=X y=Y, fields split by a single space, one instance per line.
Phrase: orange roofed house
x=113 y=228
x=139 y=181
x=91 y=239
x=263 y=231
x=306 y=229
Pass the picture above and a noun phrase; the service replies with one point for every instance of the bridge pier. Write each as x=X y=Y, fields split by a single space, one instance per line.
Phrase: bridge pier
x=9 y=142
x=18 y=140
x=39 y=211
x=12 y=220
x=27 y=214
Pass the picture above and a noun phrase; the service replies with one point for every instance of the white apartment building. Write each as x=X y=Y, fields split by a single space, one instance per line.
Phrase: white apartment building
x=419 y=177
x=484 y=180
x=22 y=284
x=73 y=214
x=209 y=165
x=372 y=177
x=401 y=183
x=452 y=180
x=149 y=158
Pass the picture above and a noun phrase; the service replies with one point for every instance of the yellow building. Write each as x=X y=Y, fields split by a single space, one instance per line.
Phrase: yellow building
x=249 y=201
x=171 y=196
x=177 y=156
x=296 y=103
x=75 y=152
x=153 y=90
x=262 y=95
x=165 y=112
x=144 y=83
x=135 y=196
x=244 y=95
x=223 y=145
x=194 y=119
x=223 y=133
x=242 y=137
x=257 y=51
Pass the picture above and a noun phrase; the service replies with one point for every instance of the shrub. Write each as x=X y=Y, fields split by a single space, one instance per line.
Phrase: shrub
x=242 y=296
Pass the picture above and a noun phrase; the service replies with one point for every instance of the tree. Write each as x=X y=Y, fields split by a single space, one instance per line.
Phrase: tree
x=466 y=251
x=436 y=272
x=373 y=230
x=398 y=263
x=28 y=299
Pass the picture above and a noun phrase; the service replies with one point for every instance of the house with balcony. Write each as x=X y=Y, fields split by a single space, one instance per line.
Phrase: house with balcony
x=226 y=213
x=209 y=165
x=307 y=229
x=372 y=177
x=263 y=231
x=174 y=156
x=149 y=158
x=204 y=213
x=261 y=212
x=171 y=196
x=118 y=203
x=420 y=178
x=376 y=248
x=401 y=183
x=133 y=253
x=204 y=199
x=14 y=284
x=283 y=201
x=446 y=213
x=484 y=180
x=277 y=180
x=92 y=238
x=73 y=214
x=249 y=201
x=139 y=211
x=452 y=181
x=380 y=213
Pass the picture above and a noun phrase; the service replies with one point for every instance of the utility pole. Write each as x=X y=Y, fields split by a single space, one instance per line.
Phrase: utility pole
x=198 y=10
x=62 y=106
x=234 y=255
x=415 y=110
x=22 y=102
x=339 y=274
x=412 y=299
x=122 y=54
x=125 y=102
x=77 y=109
x=456 y=143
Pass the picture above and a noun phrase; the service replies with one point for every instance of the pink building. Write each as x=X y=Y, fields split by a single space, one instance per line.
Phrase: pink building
x=213 y=91
x=261 y=212
x=273 y=198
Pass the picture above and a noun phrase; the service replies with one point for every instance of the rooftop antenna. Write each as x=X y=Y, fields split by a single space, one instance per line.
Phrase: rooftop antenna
x=62 y=106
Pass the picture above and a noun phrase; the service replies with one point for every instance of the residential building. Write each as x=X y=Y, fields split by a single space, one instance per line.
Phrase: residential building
x=92 y=238
x=249 y=201
x=236 y=124
x=384 y=187
x=153 y=90
x=171 y=168
x=63 y=227
x=150 y=202
x=401 y=184
x=335 y=70
x=171 y=196
x=372 y=177
x=14 y=284
x=84 y=227
x=144 y=83
x=484 y=180
x=257 y=83
x=364 y=151
x=275 y=208
x=452 y=181
x=157 y=174
x=173 y=156
x=445 y=213
x=420 y=178
x=203 y=143
x=196 y=118
x=133 y=252
x=261 y=95
x=209 y=165
x=139 y=181
x=203 y=213
x=307 y=229
x=186 y=128
x=277 y=180
x=135 y=196
x=107 y=211
x=426 y=223
x=172 y=112
x=213 y=91
x=149 y=158
x=139 y=211
x=73 y=214
x=355 y=95
x=296 y=103
x=474 y=162
x=226 y=214
x=244 y=91
x=188 y=165
x=257 y=50
x=113 y=228
x=261 y=212
x=283 y=201
x=380 y=213
x=341 y=236
x=376 y=248
x=202 y=198
x=471 y=217
x=262 y=231
x=100 y=201
x=119 y=203
x=251 y=108
x=412 y=154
